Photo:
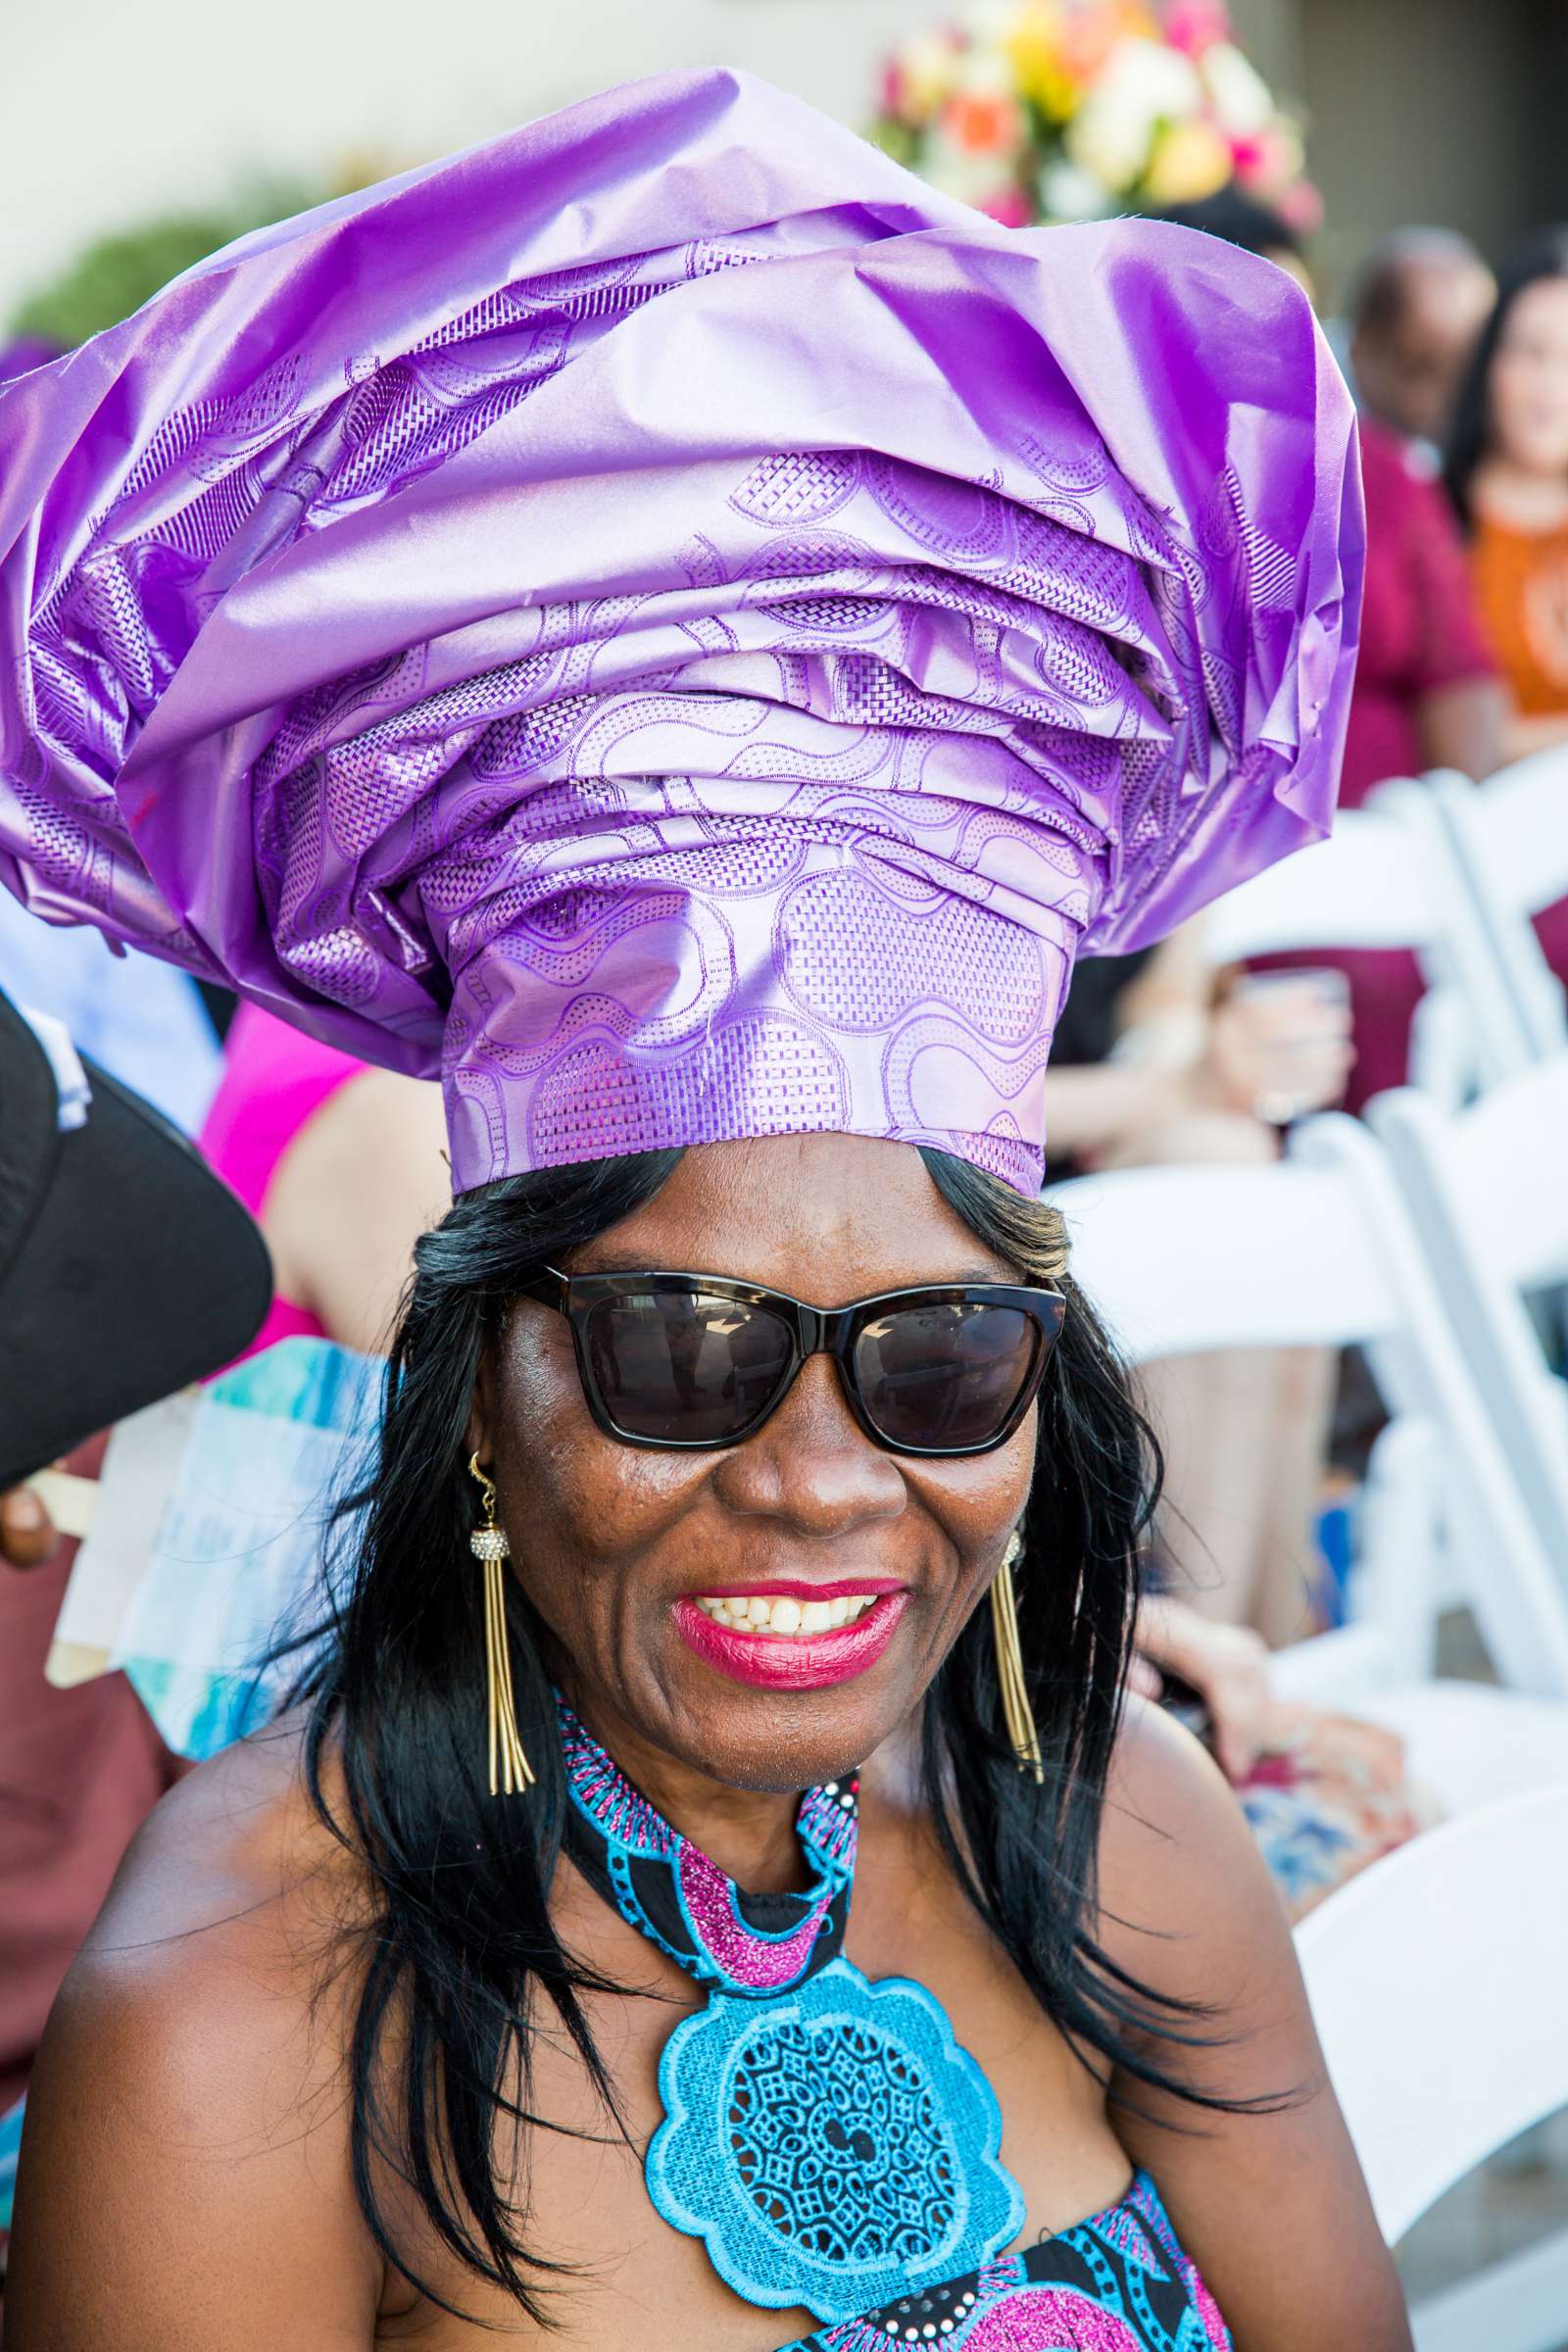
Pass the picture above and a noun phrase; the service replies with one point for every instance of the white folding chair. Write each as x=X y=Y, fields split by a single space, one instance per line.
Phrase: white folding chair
x=1435 y=1979
x=1387 y=878
x=1509 y=841
x=1319 y=1252
x=1486 y=1190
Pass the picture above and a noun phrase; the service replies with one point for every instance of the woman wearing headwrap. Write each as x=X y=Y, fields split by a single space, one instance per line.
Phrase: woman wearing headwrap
x=682 y=631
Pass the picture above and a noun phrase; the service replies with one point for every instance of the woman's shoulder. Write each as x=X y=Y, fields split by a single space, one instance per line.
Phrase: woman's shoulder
x=205 y=1965
x=188 y=2095
x=228 y=1860
x=1186 y=1902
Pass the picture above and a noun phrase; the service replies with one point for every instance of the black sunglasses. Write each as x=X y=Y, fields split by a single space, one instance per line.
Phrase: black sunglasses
x=697 y=1361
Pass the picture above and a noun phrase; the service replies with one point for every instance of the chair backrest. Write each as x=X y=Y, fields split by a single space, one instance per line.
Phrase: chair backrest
x=1436 y=1983
x=1320 y=1251
x=1520 y=830
x=1508 y=840
x=1486 y=1190
x=1377 y=882
x=1181 y=1261
x=1391 y=876
x=1506 y=1157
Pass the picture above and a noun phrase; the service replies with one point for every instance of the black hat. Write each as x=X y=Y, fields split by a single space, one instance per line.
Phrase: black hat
x=126 y=1269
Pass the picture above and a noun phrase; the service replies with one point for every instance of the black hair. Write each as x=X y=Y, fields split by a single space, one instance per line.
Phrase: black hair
x=1240 y=220
x=457 y=1951
x=1544 y=256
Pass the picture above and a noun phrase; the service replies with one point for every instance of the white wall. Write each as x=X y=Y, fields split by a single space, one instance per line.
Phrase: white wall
x=112 y=110
x=1433 y=110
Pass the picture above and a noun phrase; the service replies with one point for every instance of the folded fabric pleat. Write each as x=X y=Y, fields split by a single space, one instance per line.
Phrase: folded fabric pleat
x=678 y=628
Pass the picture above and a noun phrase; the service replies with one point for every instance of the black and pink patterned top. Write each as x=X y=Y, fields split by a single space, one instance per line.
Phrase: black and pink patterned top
x=1117 y=2282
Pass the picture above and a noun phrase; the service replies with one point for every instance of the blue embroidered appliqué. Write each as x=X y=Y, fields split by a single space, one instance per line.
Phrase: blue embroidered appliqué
x=833 y=2147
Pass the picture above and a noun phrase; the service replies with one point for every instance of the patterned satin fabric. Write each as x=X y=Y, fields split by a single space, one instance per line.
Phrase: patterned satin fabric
x=1117 y=2283
x=677 y=627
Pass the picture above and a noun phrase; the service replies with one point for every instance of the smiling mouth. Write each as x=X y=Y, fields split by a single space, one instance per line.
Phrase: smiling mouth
x=807 y=1639
x=782 y=1614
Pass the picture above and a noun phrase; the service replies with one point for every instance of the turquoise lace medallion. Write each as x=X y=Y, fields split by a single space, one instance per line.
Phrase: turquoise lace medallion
x=826 y=2138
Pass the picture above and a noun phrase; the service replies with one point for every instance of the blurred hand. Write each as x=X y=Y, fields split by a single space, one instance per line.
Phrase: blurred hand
x=27 y=1534
x=1227 y=1665
x=1278 y=1051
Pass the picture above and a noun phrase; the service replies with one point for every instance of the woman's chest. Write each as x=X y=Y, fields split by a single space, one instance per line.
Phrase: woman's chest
x=837 y=2138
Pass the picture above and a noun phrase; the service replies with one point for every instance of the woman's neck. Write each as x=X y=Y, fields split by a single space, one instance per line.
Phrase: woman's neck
x=748 y=1832
x=1518 y=498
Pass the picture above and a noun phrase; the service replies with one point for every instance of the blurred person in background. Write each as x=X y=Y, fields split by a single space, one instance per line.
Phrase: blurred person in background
x=1246 y=1433
x=1161 y=1061
x=79 y=1768
x=342 y=1166
x=1507 y=474
x=1427 y=693
x=1416 y=312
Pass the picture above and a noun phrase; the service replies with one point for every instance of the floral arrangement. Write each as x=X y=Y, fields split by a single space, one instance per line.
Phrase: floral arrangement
x=1065 y=109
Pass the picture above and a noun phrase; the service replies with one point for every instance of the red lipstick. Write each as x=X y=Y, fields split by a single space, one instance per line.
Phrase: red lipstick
x=795 y=1661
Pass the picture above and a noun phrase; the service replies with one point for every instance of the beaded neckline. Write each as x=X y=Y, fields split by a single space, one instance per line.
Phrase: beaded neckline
x=825 y=2137
x=751 y=1945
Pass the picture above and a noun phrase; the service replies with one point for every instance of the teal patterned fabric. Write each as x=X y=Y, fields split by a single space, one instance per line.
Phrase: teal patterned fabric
x=832 y=2146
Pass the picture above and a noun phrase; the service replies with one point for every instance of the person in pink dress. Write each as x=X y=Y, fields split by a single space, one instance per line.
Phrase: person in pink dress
x=342 y=1167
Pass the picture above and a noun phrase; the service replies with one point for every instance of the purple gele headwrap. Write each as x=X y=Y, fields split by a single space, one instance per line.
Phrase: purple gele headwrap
x=677 y=627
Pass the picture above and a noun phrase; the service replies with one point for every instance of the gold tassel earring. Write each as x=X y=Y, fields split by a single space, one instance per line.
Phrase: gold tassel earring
x=1015 y=1708
x=509 y=1771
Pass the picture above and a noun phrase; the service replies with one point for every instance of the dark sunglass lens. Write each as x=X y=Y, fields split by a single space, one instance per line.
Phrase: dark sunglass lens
x=687 y=1366
x=944 y=1377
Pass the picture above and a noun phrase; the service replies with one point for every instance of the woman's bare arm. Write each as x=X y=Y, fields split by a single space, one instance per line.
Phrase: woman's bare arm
x=353 y=1193
x=1272 y=2208
x=184 y=2181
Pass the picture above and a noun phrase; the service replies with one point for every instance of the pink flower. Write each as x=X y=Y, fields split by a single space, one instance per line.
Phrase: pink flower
x=1195 y=25
x=1009 y=206
x=1270 y=159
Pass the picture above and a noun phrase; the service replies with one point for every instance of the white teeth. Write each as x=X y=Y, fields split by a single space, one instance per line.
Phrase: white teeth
x=752 y=1612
